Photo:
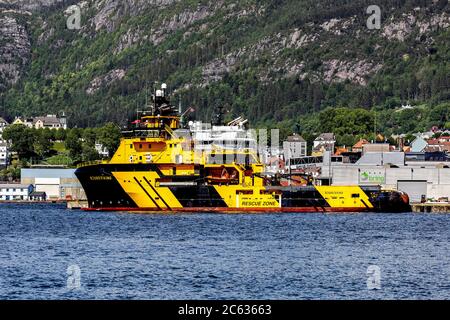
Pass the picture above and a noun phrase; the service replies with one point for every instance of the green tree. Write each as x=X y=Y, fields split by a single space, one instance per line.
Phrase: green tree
x=109 y=136
x=74 y=144
x=447 y=126
x=12 y=173
x=89 y=137
x=22 y=140
x=42 y=142
x=89 y=153
x=60 y=135
x=347 y=140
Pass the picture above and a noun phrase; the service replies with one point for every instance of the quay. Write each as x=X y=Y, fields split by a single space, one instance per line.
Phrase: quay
x=431 y=207
x=77 y=204
x=28 y=202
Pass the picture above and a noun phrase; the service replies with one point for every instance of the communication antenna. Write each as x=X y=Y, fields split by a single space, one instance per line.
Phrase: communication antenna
x=137 y=110
x=146 y=94
x=180 y=110
x=154 y=98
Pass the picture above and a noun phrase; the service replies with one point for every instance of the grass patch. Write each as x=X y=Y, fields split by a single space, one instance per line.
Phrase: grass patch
x=59 y=160
x=59 y=147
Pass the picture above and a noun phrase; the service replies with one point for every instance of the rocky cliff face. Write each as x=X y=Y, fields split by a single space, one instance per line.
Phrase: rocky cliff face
x=29 y=4
x=124 y=44
x=15 y=48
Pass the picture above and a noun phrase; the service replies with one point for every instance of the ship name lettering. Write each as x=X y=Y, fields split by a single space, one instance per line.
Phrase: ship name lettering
x=100 y=178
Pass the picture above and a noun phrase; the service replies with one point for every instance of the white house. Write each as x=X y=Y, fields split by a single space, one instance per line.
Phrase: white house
x=325 y=139
x=3 y=125
x=102 y=151
x=294 y=147
x=324 y=142
x=4 y=154
x=11 y=191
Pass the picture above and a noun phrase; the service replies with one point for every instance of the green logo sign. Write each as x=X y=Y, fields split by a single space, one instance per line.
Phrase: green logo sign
x=372 y=177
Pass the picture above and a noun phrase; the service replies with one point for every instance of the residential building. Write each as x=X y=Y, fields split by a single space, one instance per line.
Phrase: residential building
x=426 y=135
x=376 y=147
x=435 y=145
x=18 y=121
x=358 y=147
x=102 y=151
x=444 y=139
x=324 y=142
x=341 y=150
x=380 y=138
x=3 y=124
x=294 y=147
x=275 y=164
x=9 y=192
x=325 y=139
x=4 y=154
x=418 y=145
x=322 y=148
x=50 y=121
x=23 y=121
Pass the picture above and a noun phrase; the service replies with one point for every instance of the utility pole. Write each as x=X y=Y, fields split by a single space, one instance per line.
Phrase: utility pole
x=375 y=126
x=180 y=110
x=329 y=169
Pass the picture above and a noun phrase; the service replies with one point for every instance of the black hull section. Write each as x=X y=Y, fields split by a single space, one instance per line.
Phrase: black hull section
x=198 y=197
x=102 y=189
x=391 y=201
x=105 y=193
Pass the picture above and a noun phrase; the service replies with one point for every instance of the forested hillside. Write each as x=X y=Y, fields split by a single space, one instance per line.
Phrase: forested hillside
x=273 y=61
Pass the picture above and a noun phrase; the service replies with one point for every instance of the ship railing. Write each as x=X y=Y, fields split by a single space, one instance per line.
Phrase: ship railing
x=92 y=163
x=148 y=133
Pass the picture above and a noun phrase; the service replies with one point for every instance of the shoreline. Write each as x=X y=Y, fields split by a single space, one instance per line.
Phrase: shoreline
x=32 y=202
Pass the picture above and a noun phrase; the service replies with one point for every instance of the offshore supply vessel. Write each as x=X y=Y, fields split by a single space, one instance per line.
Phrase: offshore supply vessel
x=162 y=167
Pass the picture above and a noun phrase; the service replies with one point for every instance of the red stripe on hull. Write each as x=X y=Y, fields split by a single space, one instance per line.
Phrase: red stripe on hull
x=238 y=210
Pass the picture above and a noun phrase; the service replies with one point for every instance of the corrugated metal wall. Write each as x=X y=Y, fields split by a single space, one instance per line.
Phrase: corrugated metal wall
x=438 y=179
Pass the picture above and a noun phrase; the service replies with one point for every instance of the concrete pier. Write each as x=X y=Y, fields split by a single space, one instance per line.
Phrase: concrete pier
x=431 y=207
x=77 y=204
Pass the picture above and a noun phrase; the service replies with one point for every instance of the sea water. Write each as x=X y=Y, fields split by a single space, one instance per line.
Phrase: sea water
x=48 y=252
